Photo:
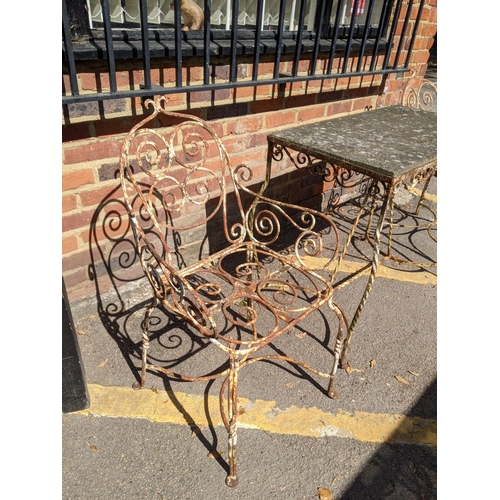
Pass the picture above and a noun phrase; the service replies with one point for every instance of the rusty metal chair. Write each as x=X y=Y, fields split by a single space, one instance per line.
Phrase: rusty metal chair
x=238 y=287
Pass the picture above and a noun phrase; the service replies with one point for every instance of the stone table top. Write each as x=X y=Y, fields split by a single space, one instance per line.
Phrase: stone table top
x=389 y=142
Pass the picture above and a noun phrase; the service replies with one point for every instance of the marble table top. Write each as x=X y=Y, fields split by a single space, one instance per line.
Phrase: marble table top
x=389 y=142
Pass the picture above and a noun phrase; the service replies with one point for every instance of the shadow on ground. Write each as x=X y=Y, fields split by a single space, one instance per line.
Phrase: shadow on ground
x=399 y=471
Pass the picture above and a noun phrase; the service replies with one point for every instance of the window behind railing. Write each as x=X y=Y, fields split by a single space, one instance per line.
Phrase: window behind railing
x=126 y=13
x=359 y=36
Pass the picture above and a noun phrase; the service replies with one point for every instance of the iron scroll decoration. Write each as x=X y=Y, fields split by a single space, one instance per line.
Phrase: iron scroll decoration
x=245 y=294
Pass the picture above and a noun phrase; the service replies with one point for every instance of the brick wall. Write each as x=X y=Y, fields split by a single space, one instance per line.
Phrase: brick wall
x=242 y=117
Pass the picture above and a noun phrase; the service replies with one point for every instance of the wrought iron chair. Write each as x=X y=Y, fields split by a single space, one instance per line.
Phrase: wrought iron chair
x=239 y=288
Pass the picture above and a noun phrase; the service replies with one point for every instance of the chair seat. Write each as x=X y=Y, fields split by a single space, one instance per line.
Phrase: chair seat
x=247 y=294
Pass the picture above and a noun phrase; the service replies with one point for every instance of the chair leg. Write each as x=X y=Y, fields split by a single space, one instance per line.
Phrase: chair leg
x=145 y=343
x=232 y=477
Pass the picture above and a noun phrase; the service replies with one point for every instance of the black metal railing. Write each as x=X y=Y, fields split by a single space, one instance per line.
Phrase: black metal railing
x=372 y=42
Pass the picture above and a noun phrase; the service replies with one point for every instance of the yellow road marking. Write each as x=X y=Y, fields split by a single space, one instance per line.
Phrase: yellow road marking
x=349 y=267
x=165 y=407
x=427 y=196
x=420 y=277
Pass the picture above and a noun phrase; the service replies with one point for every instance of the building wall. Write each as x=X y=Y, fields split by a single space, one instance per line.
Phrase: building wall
x=92 y=215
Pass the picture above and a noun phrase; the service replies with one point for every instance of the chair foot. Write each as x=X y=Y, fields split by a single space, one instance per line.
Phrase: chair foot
x=232 y=481
x=137 y=386
x=331 y=393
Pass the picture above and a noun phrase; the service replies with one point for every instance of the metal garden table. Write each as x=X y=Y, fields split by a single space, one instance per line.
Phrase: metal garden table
x=382 y=149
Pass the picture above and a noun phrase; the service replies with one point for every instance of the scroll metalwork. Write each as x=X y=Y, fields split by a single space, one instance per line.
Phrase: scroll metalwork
x=419 y=93
x=268 y=264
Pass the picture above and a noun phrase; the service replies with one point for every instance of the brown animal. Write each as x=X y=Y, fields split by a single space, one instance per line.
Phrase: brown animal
x=192 y=14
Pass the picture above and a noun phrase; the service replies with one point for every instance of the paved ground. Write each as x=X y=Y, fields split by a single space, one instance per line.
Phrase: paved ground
x=376 y=441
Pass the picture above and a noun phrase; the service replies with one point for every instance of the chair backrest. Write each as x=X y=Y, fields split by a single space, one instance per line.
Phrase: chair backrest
x=419 y=93
x=186 y=202
x=179 y=188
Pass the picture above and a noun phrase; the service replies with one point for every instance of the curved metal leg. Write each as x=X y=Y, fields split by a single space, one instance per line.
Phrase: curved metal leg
x=145 y=343
x=231 y=421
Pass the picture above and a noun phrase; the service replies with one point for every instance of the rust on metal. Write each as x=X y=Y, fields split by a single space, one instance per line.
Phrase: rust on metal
x=250 y=279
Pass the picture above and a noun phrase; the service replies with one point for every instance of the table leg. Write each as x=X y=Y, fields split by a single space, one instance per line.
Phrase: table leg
x=371 y=279
x=422 y=195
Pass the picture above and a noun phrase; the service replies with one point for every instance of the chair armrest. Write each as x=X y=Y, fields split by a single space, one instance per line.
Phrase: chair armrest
x=307 y=235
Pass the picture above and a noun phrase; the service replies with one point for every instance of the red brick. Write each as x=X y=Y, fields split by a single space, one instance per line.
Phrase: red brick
x=304 y=64
x=76 y=221
x=433 y=16
x=194 y=74
x=367 y=102
x=112 y=222
x=314 y=85
x=242 y=143
x=427 y=29
x=75 y=131
x=355 y=93
x=77 y=178
x=267 y=105
x=266 y=90
x=209 y=95
x=116 y=126
x=96 y=196
x=78 y=259
x=295 y=87
x=68 y=202
x=277 y=120
x=176 y=100
x=95 y=234
x=88 y=81
x=74 y=278
x=337 y=108
x=254 y=156
x=91 y=150
x=332 y=95
x=245 y=92
x=100 y=80
x=342 y=83
x=69 y=244
x=327 y=84
x=300 y=100
x=421 y=56
x=66 y=86
x=265 y=68
x=310 y=113
x=243 y=125
x=425 y=12
x=162 y=76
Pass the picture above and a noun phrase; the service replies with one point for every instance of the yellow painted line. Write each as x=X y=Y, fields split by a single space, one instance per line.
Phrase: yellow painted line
x=349 y=267
x=164 y=407
x=427 y=196
x=420 y=277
